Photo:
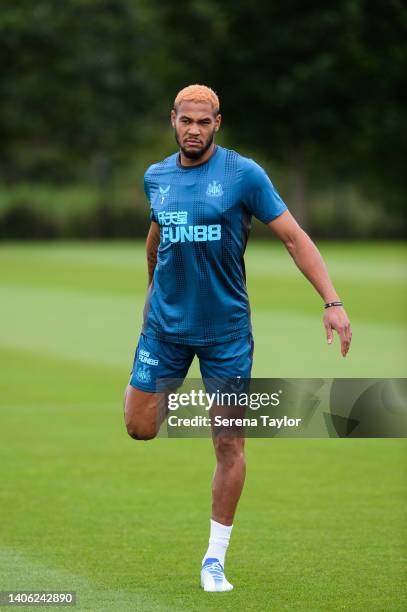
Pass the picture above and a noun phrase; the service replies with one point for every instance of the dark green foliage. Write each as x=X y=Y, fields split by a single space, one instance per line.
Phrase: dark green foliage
x=104 y=221
x=74 y=87
x=314 y=85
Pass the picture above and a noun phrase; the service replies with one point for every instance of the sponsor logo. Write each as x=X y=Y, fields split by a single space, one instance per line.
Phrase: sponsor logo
x=144 y=357
x=214 y=190
x=174 y=228
x=192 y=233
x=164 y=192
x=173 y=218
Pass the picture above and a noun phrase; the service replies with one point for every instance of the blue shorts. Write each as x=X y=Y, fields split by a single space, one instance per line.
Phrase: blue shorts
x=155 y=359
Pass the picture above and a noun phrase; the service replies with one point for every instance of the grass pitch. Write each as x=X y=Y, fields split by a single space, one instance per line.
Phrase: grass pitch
x=321 y=524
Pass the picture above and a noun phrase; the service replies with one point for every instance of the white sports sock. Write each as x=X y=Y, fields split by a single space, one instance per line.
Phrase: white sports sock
x=218 y=542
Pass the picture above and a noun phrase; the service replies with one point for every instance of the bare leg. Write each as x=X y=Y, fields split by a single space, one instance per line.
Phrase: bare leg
x=228 y=479
x=143 y=413
x=227 y=486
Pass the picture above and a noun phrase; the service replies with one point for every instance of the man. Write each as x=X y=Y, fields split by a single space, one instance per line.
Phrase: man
x=202 y=200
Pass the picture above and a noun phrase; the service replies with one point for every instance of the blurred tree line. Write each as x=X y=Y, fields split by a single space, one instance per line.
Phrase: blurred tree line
x=311 y=88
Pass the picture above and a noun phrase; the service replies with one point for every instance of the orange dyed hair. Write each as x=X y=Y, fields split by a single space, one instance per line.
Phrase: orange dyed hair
x=197 y=93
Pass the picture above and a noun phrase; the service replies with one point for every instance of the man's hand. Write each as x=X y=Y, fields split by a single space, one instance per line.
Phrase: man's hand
x=336 y=318
x=310 y=262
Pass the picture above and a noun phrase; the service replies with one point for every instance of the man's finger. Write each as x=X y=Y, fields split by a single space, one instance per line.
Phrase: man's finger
x=348 y=334
x=344 y=340
x=348 y=338
x=329 y=334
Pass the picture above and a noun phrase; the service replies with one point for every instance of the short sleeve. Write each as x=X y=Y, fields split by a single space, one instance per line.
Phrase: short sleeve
x=259 y=194
x=147 y=192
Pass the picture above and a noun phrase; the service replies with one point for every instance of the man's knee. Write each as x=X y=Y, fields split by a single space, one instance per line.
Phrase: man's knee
x=140 y=415
x=229 y=449
x=139 y=431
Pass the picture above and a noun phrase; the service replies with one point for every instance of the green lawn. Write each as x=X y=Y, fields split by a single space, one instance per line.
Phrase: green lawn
x=322 y=523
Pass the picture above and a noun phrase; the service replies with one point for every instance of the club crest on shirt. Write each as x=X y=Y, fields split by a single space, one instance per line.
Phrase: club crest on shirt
x=214 y=190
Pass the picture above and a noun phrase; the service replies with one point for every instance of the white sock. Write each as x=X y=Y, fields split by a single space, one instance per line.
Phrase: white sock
x=218 y=542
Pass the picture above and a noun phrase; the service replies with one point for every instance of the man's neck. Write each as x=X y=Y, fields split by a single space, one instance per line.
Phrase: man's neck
x=186 y=161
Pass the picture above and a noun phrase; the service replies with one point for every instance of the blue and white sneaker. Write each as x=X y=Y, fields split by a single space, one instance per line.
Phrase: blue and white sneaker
x=213 y=577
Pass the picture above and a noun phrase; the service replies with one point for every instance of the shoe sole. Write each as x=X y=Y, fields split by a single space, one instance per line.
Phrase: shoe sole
x=216 y=590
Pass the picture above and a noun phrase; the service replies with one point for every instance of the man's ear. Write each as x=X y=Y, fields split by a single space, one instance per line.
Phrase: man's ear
x=173 y=117
x=218 y=121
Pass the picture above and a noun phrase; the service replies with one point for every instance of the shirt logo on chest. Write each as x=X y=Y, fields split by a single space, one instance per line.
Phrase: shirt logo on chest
x=173 y=218
x=214 y=190
x=175 y=228
x=164 y=192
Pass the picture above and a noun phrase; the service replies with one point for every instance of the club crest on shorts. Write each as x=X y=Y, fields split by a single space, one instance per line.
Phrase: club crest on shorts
x=214 y=190
x=143 y=374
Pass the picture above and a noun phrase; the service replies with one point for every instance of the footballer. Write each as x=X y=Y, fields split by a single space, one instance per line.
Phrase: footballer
x=202 y=200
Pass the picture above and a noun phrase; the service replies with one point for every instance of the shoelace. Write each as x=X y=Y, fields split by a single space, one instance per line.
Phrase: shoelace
x=215 y=569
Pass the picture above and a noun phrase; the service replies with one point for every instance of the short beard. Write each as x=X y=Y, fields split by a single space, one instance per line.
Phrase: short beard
x=197 y=153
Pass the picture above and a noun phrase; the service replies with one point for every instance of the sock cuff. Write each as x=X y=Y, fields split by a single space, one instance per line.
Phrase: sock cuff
x=217 y=529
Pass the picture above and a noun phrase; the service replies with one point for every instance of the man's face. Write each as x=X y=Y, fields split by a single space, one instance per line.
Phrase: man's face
x=195 y=125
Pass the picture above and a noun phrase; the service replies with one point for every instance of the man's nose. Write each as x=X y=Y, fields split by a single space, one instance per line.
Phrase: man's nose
x=194 y=130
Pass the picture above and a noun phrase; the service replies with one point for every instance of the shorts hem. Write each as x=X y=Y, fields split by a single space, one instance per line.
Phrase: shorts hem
x=141 y=387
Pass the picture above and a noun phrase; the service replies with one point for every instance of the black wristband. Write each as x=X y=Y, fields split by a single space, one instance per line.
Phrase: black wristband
x=330 y=304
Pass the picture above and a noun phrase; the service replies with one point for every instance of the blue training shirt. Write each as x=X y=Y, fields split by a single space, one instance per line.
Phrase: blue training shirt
x=198 y=295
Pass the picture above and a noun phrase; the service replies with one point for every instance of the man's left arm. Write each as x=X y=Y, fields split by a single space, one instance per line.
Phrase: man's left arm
x=309 y=260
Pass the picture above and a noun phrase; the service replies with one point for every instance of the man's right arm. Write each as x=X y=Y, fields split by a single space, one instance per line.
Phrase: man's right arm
x=152 y=243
